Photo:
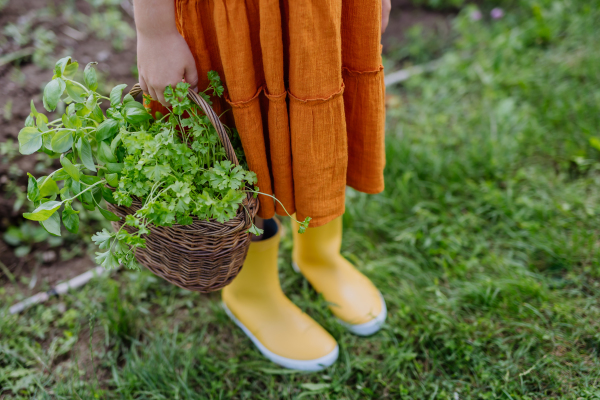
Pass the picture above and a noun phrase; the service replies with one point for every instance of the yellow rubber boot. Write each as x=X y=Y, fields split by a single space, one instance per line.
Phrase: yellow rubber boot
x=279 y=329
x=353 y=298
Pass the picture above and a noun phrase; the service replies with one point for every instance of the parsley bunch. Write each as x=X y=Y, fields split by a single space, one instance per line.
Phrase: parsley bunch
x=174 y=164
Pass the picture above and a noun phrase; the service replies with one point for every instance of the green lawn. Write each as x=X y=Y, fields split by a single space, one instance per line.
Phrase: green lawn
x=484 y=244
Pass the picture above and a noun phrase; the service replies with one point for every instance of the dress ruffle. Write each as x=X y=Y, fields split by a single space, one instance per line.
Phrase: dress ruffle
x=304 y=84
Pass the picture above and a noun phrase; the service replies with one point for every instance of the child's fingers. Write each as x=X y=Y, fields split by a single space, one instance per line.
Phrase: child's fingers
x=191 y=76
x=147 y=89
x=161 y=97
x=152 y=93
x=143 y=85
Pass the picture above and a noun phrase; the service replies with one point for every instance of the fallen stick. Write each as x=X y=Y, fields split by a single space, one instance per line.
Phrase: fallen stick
x=402 y=75
x=59 y=289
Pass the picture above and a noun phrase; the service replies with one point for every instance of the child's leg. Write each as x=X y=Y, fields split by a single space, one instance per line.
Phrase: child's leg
x=260 y=224
x=280 y=330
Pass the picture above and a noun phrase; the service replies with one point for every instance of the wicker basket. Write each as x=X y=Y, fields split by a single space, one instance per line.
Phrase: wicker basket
x=206 y=255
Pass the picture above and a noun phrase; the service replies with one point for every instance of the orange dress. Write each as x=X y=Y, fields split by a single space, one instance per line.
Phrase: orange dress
x=304 y=83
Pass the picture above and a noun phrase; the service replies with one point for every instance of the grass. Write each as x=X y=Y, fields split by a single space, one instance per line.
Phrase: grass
x=484 y=243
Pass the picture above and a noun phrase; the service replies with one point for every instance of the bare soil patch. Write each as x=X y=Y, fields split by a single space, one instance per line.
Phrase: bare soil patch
x=23 y=80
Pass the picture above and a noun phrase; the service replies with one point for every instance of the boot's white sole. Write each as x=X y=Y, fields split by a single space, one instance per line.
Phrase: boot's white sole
x=366 y=329
x=317 y=364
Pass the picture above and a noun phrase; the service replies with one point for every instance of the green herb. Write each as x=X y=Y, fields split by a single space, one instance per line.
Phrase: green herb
x=174 y=164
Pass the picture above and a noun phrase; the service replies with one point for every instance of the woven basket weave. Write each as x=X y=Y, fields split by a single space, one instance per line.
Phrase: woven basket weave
x=206 y=255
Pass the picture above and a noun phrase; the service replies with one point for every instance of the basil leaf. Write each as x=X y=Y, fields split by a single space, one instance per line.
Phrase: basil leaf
x=90 y=103
x=108 y=215
x=85 y=152
x=70 y=218
x=71 y=169
x=45 y=136
x=60 y=175
x=33 y=191
x=114 y=114
x=135 y=113
x=30 y=140
x=48 y=187
x=34 y=111
x=75 y=186
x=87 y=200
x=76 y=92
x=89 y=76
x=88 y=206
x=30 y=121
x=75 y=121
x=51 y=153
x=44 y=211
x=105 y=155
x=41 y=120
x=47 y=141
x=115 y=142
x=107 y=130
x=115 y=94
x=52 y=92
x=62 y=141
x=97 y=195
x=115 y=167
x=60 y=65
x=134 y=105
x=52 y=224
x=89 y=179
x=112 y=180
x=96 y=114
x=67 y=122
x=70 y=69
x=107 y=194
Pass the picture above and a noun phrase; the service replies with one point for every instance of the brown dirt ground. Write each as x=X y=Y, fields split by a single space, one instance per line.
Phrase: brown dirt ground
x=405 y=15
x=118 y=67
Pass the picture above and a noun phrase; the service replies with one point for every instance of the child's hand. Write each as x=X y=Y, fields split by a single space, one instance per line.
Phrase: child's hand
x=386 y=7
x=164 y=60
x=164 y=57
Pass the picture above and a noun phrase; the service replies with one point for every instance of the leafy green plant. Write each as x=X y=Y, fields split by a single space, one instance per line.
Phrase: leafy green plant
x=109 y=25
x=175 y=164
x=24 y=237
x=8 y=150
x=18 y=32
x=38 y=42
x=420 y=44
x=43 y=41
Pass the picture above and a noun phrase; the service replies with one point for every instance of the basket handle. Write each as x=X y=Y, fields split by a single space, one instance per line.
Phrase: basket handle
x=212 y=116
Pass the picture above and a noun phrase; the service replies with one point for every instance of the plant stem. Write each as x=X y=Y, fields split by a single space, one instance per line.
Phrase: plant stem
x=83 y=191
x=79 y=84
x=274 y=198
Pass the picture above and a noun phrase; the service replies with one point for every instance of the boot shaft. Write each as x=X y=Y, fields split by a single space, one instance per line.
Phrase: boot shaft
x=260 y=271
x=317 y=245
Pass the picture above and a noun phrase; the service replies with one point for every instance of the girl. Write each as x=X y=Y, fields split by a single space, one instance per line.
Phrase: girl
x=304 y=84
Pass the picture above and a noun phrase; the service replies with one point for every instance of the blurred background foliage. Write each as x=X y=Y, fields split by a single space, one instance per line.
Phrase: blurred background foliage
x=484 y=243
